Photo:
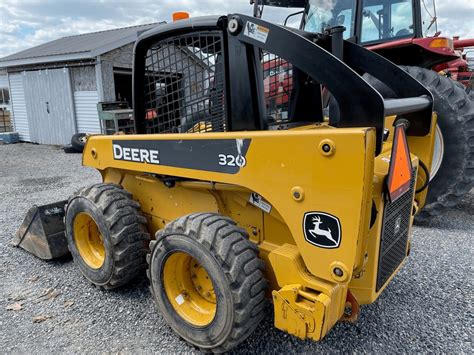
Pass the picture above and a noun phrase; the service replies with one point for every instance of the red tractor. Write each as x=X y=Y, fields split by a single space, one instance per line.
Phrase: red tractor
x=405 y=32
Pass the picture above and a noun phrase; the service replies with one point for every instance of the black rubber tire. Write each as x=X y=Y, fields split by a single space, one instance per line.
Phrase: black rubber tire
x=68 y=149
x=77 y=142
x=231 y=261
x=455 y=108
x=123 y=229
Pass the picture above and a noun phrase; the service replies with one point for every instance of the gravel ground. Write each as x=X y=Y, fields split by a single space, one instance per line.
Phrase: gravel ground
x=427 y=307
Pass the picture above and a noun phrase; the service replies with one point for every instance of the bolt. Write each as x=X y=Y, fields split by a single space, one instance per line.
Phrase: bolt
x=233 y=26
x=326 y=148
x=338 y=272
x=254 y=231
x=207 y=294
x=296 y=194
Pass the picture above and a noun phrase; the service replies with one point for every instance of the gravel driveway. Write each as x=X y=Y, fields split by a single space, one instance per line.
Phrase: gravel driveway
x=427 y=308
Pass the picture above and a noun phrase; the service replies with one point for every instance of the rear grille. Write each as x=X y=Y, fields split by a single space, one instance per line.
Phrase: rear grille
x=394 y=239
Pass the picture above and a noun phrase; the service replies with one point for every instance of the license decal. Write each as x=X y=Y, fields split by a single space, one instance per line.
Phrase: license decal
x=216 y=155
x=322 y=229
x=258 y=201
x=256 y=32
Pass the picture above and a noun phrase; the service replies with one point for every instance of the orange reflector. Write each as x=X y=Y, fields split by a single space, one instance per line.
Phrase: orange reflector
x=441 y=43
x=180 y=15
x=399 y=176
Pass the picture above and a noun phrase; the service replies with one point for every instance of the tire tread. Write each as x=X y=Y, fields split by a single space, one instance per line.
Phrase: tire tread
x=239 y=260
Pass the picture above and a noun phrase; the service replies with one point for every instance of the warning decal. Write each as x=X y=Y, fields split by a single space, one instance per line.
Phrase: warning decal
x=256 y=32
x=258 y=201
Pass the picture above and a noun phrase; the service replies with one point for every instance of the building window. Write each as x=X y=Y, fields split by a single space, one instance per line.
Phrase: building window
x=4 y=96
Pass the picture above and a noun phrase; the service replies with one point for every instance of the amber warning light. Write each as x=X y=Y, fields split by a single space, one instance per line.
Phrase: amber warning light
x=399 y=176
x=179 y=15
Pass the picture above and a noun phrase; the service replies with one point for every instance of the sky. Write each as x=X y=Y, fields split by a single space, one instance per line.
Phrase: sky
x=27 y=23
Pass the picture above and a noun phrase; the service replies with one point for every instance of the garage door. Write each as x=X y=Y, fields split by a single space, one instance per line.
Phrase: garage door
x=17 y=96
x=49 y=106
x=87 y=117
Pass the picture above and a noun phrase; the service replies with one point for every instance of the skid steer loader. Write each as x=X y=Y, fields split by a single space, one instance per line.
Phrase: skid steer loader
x=227 y=207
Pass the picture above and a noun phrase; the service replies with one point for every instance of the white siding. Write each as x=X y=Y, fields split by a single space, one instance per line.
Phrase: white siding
x=17 y=96
x=3 y=81
x=87 y=118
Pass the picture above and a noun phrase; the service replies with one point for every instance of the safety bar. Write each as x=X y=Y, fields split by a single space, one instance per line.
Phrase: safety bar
x=403 y=106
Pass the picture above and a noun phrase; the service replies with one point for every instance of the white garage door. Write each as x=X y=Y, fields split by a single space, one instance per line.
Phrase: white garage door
x=17 y=96
x=87 y=118
x=49 y=106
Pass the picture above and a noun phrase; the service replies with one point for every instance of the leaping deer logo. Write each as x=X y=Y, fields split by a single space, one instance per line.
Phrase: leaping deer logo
x=317 y=231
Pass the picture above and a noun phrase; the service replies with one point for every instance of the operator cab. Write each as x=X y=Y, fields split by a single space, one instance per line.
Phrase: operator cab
x=368 y=21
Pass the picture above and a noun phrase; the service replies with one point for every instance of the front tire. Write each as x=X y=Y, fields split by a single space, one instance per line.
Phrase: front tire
x=207 y=281
x=106 y=235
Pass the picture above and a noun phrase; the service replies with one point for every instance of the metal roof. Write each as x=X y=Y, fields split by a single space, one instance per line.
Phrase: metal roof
x=84 y=46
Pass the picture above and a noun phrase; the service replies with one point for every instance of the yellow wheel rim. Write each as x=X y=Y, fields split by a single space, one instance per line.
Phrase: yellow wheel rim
x=189 y=289
x=88 y=240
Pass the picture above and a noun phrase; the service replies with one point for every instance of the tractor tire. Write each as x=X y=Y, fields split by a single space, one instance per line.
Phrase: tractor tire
x=204 y=259
x=455 y=108
x=107 y=235
x=78 y=141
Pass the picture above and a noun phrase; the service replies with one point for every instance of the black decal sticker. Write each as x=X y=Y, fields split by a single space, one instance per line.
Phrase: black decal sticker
x=322 y=229
x=217 y=155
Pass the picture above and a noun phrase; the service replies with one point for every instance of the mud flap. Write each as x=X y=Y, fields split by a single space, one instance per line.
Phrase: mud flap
x=42 y=232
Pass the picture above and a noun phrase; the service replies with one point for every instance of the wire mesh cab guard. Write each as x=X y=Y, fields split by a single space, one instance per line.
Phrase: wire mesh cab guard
x=236 y=73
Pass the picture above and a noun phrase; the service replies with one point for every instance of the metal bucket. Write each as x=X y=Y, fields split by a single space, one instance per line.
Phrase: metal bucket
x=42 y=232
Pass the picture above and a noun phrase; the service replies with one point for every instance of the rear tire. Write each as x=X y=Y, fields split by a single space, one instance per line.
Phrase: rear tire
x=107 y=235
x=455 y=108
x=223 y=250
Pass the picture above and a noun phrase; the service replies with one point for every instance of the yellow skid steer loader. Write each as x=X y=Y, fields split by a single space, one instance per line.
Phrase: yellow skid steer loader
x=229 y=204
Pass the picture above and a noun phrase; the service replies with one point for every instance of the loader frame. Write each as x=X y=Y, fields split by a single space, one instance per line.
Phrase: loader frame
x=317 y=229
x=360 y=104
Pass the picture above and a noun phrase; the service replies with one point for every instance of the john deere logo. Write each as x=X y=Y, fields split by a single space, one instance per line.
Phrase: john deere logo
x=322 y=229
